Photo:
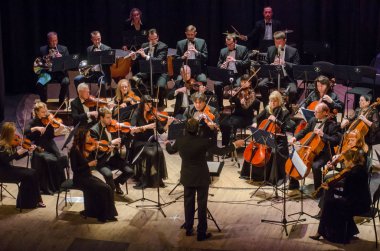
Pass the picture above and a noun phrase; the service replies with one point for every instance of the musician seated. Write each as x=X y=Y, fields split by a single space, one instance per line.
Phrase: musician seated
x=324 y=126
x=50 y=162
x=98 y=196
x=29 y=195
x=285 y=57
x=100 y=74
x=153 y=50
x=245 y=106
x=125 y=100
x=338 y=207
x=50 y=51
x=193 y=48
x=273 y=172
x=81 y=113
x=151 y=165
x=324 y=92
x=109 y=160
x=233 y=57
x=183 y=89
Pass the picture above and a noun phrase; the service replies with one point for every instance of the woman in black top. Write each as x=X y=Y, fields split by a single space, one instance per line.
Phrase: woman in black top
x=98 y=196
x=151 y=159
x=29 y=195
x=277 y=113
x=50 y=163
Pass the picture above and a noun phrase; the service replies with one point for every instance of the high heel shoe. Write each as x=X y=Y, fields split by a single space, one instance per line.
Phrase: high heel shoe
x=41 y=204
x=315 y=237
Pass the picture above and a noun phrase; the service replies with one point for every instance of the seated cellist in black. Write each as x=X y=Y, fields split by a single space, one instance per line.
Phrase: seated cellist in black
x=339 y=206
x=98 y=196
x=275 y=112
x=325 y=127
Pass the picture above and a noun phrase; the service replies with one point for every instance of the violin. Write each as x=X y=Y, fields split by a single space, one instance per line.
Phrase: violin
x=92 y=144
x=23 y=142
x=207 y=116
x=161 y=116
x=92 y=102
x=192 y=84
x=115 y=126
x=53 y=121
x=131 y=97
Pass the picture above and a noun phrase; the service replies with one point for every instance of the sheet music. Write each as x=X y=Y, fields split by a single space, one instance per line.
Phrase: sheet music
x=298 y=163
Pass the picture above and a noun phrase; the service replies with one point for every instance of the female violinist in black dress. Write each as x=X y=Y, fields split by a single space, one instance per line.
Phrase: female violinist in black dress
x=151 y=159
x=98 y=196
x=125 y=97
x=29 y=195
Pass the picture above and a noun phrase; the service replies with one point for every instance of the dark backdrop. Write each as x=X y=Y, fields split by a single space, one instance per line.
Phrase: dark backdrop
x=350 y=26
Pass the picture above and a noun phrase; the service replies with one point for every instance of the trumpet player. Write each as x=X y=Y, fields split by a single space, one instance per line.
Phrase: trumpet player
x=48 y=52
x=233 y=57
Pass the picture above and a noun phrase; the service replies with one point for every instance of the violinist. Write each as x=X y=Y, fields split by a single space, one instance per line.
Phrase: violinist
x=336 y=218
x=183 y=89
x=323 y=92
x=98 y=196
x=328 y=130
x=124 y=97
x=110 y=160
x=29 y=195
x=82 y=114
x=49 y=163
x=276 y=113
x=246 y=105
x=193 y=48
x=152 y=160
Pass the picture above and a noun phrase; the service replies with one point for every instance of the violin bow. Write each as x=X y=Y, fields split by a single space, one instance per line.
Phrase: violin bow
x=97 y=149
x=236 y=31
x=59 y=108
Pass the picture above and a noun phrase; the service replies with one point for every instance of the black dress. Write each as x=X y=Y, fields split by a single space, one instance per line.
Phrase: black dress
x=98 y=196
x=268 y=173
x=49 y=164
x=336 y=223
x=29 y=194
x=151 y=158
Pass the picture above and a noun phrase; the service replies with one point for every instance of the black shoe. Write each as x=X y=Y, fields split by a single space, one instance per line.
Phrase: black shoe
x=162 y=184
x=318 y=215
x=294 y=186
x=142 y=185
x=315 y=237
x=103 y=220
x=113 y=218
x=83 y=214
x=202 y=237
x=190 y=232
x=118 y=189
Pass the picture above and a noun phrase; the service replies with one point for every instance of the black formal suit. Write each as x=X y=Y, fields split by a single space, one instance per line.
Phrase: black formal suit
x=336 y=104
x=79 y=115
x=242 y=66
x=133 y=38
x=103 y=78
x=59 y=77
x=195 y=176
x=291 y=58
x=331 y=137
x=258 y=32
x=110 y=161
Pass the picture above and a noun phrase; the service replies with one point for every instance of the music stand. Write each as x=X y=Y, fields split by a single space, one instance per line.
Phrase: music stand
x=153 y=66
x=101 y=57
x=65 y=63
x=272 y=72
x=194 y=64
x=70 y=137
x=306 y=73
x=325 y=68
x=221 y=75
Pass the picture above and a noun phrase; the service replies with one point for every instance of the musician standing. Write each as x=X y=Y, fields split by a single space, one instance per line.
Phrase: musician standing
x=193 y=48
x=325 y=127
x=195 y=176
x=262 y=33
x=100 y=74
x=53 y=50
x=234 y=57
x=285 y=57
x=134 y=32
x=79 y=111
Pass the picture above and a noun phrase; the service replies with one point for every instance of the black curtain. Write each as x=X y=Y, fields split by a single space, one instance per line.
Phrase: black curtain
x=1 y=77
x=350 y=26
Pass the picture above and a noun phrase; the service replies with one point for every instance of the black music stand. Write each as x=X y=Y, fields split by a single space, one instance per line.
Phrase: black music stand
x=222 y=75
x=272 y=72
x=325 y=68
x=306 y=73
x=152 y=66
x=194 y=64
x=65 y=63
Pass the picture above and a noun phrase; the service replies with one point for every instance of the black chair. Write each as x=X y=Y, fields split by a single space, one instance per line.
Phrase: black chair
x=373 y=211
x=3 y=188
x=66 y=186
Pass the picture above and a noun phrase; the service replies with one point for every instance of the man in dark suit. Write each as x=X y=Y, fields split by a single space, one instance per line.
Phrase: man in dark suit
x=52 y=50
x=153 y=50
x=193 y=48
x=233 y=57
x=100 y=74
x=195 y=176
x=262 y=33
x=326 y=128
x=285 y=57
x=81 y=113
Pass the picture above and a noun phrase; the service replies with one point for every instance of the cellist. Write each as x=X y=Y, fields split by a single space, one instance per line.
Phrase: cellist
x=326 y=128
x=278 y=114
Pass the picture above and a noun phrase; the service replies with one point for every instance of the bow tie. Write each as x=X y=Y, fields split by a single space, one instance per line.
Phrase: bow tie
x=319 y=121
x=268 y=23
x=232 y=50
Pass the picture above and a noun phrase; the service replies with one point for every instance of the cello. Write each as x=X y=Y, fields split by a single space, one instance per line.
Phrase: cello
x=256 y=153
